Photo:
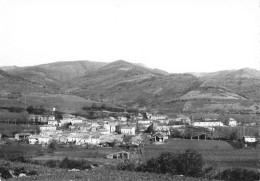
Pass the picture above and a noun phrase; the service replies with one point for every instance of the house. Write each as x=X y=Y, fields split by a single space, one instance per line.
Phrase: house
x=47 y=128
x=207 y=123
x=158 y=137
x=145 y=121
x=119 y=155
x=39 y=139
x=232 y=122
x=38 y=118
x=104 y=131
x=183 y=119
x=158 y=117
x=22 y=136
x=54 y=122
x=249 y=139
x=111 y=126
x=75 y=121
x=140 y=116
x=129 y=130
x=122 y=118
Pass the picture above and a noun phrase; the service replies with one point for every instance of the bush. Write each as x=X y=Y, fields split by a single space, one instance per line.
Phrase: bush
x=189 y=163
x=70 y=164
x=31 y=173
x=52 y=163
x=5 y=173
x=19 y=170
x=238 y=174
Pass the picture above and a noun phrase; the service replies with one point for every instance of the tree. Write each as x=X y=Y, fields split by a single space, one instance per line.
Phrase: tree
x=53 y=146
x=234 y=135
x=30 y=109
x=150 y=129
x=190 y=163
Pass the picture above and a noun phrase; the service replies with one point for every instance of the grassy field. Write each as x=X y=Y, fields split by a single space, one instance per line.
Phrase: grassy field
x=67 y=103
x=107 y=175
x=220 y=153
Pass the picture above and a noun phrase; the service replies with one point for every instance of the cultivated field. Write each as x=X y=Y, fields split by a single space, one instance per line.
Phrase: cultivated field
x=220 y=153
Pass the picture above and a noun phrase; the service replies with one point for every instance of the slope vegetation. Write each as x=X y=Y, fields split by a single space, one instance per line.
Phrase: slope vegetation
x=125 y=82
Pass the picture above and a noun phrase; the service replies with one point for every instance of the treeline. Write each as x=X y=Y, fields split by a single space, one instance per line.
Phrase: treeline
x=13 y=109
x=102 y=107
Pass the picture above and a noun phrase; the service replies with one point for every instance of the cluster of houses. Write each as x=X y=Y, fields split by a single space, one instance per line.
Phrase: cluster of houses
x=82 y=131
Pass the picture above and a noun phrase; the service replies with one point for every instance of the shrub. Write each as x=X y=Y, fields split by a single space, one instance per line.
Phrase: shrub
x=52 y=163
x=5 y=173
x=33 y=172
x=19 y=170
x=70 y=164
x=238 y=174
x=189 y=163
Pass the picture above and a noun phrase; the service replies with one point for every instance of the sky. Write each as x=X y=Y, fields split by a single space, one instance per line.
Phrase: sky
x=173 y=35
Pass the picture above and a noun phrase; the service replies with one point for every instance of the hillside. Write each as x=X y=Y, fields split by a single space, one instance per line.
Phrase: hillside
x=135 y=85
x=54 y=75
x=12 y=83
x=7 y=68
x=125 y=82
x=245 y=81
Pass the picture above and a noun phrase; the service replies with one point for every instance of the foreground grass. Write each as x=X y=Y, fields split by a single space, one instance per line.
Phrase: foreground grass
x=106 y=175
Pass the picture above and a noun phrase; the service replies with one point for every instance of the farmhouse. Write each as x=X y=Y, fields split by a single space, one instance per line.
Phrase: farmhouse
x=119 y=155
x=249 y=139
x=232 y=122
x=207 y=123
x=158 y=117
x=22 y=136
x=38 y=139
x=129 y=130
x=47 y=128
x=158 y=137
x=122 y=118
x=53 y=122
x=38 y=118
x=145 y=121
x=111 y=126
x=183 y=118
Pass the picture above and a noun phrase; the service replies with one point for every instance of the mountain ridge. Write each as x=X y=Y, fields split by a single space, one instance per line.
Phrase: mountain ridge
x=139 y=86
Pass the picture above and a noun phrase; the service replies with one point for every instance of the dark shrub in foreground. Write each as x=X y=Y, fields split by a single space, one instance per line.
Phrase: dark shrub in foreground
x=238 y=174
x=189 y=163
x=5 y=173
x=70 y=164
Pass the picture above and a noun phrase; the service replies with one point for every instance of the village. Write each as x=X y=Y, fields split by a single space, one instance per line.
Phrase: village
x=77 y=130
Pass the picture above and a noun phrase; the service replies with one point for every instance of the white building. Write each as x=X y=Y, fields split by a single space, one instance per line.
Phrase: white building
x=208 y=124
x=39 y=139
x=158 y=117
x=47 y=128
x=76 y=121
x=122 y=118
x=250 y=139
x=110 y=126
x=145 y=121
x=53 y=122
x=129 y=130
x=232 y=122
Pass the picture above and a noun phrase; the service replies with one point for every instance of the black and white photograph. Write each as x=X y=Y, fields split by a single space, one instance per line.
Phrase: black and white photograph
x=130 y=90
